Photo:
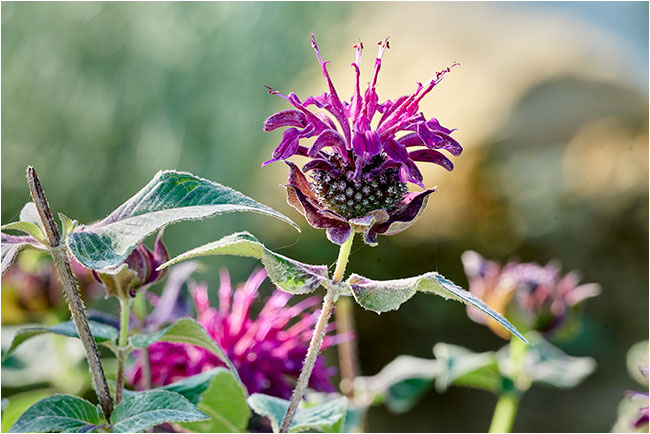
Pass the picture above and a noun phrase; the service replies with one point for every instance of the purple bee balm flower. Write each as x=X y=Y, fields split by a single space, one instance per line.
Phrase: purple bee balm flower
x=358 y=171
x=268 y=351
x=544 y=297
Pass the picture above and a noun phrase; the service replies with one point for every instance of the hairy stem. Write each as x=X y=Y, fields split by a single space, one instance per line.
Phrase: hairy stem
x=70 y=291
x=125 y=311
x=508 y=403
x=319 y=333
x=310 y=359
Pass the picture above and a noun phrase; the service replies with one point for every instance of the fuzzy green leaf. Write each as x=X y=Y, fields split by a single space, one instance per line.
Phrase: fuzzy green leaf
x=383 y=296
x=170 y=197
x=58 y=413
x=289 y=275
x=545 y=363
x=185 y=330
x=101 y=332
x=322 y=417
x=28 y=228
x=225 y=401
x=462 y=367
x=139 y=412
x=401 y=383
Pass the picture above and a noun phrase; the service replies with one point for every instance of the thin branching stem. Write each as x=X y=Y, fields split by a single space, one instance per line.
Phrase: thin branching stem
x=70 y=291
x=508 y=403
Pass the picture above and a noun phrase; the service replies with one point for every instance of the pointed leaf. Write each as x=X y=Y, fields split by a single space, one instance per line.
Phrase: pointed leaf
x=185 y=330
x=288 y=274
x=191 y=387
x=139 y=412
x=101 y=333
x=10 y=245
x=382 y=296
x=545 y=363
x=67 y=225
x=28 y=228
x=321 y=417
x=225 y=402
x=170 y=197
x=58 y=413
x=401 y=383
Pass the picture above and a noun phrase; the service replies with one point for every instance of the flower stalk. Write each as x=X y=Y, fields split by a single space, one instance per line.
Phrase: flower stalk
x=70 y=291
x=122 y=350
x=310 y=359
x=508 y=403
x=319 y=333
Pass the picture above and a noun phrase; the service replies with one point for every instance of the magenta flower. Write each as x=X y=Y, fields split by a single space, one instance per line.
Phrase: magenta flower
x=359 y=172
x=543 y=297
x=268 y=351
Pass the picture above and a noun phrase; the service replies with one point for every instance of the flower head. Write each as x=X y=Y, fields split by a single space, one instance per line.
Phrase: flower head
x=268 y=351
x=359 y=171
x=543 y=296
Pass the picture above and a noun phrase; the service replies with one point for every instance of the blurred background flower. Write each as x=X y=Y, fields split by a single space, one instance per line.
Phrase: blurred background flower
x=267 y=349
x=533 y=297
x=550 y=104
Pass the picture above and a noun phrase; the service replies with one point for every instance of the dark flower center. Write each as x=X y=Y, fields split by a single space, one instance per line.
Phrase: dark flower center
x=375 y=188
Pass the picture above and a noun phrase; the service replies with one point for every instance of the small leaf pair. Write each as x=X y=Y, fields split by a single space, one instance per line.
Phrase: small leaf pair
x=298 y=278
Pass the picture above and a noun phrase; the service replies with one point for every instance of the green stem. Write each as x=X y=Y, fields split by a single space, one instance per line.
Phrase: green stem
x=122 y=350
x=310 y=359
x=505 y=412
x=319 y=333
x=125 y=312
x=342 y=261
x=508 y=403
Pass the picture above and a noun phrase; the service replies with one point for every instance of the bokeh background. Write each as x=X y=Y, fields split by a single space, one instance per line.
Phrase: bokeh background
x=550 y=104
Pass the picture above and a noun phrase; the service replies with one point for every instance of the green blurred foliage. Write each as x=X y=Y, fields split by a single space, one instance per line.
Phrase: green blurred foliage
x=100 y=96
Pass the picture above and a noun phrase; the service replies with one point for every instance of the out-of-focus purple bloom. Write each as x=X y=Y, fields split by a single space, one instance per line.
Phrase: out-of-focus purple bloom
x=543 y=295
x=140 y=271
x=31 y=286
x=268 y=351
x=360 y=171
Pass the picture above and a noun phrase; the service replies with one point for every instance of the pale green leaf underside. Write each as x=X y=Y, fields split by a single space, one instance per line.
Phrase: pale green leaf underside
x=225 y=402
x=462 y=367
x=288 y=274
x=383 y=296
x=139 y=412
x=545 y=363
x=321 y=417
x=58 y=413
x=101 y=333
x=170 y=197
x=28 y=228
x=185 y=330
x=401 y=383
